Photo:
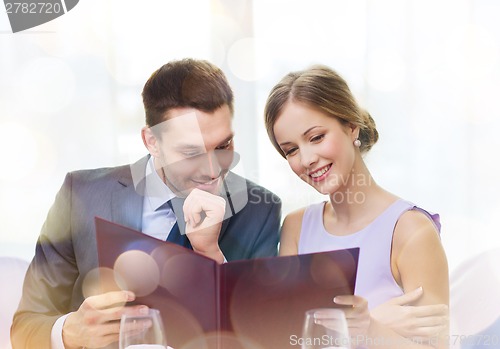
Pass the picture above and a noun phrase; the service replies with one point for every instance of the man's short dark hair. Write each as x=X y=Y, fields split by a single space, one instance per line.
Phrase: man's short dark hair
x=186 y=83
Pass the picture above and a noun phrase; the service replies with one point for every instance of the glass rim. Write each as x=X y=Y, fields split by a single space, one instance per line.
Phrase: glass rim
x=150 y=311
x=335 y=310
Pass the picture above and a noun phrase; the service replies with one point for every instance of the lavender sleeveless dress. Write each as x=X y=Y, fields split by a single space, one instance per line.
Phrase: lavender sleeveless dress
x=374 y=279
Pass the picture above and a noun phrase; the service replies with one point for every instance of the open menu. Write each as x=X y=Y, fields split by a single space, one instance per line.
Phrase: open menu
x=257 y=303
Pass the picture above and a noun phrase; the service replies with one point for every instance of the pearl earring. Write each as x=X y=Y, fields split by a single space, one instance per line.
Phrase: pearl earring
x=357 y=143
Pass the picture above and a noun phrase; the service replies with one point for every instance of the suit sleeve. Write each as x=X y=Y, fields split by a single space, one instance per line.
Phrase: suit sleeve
x=266 y=244
x=49 y=282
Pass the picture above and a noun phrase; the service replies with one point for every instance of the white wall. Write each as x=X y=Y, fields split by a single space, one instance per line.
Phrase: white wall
x=428 y=71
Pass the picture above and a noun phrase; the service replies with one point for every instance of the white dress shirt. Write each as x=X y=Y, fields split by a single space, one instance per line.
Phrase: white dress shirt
x=157 y=218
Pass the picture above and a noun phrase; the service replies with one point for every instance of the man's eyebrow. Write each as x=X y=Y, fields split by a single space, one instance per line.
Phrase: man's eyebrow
x=187 y=146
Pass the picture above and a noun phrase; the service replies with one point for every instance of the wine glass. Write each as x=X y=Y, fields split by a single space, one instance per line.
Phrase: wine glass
x=142 y=331
x=325 y=329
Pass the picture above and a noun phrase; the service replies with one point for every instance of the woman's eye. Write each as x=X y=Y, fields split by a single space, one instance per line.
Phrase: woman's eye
x=290 y=151
x=317 y=138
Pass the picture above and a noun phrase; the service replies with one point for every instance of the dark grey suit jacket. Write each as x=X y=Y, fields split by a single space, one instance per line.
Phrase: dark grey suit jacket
x=66 y=249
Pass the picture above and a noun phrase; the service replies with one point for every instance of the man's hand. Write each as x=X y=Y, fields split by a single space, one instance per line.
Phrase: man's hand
x=204 y=213
x=414 y=322
x=97 y=322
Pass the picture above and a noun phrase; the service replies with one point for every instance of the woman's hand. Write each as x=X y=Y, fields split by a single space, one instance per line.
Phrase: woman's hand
x=357 y=316
x=415 y=322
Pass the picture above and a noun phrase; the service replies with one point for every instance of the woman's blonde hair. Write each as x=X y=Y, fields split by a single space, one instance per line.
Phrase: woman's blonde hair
x=321 y=88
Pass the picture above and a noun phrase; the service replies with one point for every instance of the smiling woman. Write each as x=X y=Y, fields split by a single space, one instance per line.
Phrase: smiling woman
x=315 y=123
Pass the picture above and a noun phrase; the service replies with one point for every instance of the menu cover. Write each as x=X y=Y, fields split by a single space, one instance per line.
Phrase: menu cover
x=257 y=303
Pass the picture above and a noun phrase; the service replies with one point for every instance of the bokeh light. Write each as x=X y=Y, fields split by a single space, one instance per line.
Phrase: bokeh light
x=242 y=61
x=99 y=281
x=138 y=272
x=181 y=272
x=482 y=52
x=46 y=85
x=18 y=151
x=386 y=70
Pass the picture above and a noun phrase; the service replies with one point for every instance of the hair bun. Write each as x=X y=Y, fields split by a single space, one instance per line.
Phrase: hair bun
x=368 y=134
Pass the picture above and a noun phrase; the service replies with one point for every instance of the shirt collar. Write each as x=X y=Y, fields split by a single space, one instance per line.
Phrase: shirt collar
x=157 y=192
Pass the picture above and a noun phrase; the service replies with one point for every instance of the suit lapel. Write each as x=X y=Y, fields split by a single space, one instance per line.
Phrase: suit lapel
x=127 y=200
x=225 y=224
x=236 y=195
x=229 y=209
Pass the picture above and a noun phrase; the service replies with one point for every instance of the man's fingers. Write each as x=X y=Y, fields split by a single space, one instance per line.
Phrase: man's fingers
x=110 y=299
x=136 y=327
x=200 y=207
x=102 y=341
x=105 y=326
x=195 y=219
x=107 y=329
x=115 y=314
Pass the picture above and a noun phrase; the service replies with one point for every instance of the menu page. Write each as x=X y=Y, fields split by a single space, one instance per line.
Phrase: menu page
x=228 y=306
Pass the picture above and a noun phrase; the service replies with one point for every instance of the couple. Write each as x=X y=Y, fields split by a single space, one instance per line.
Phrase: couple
x=185 y=185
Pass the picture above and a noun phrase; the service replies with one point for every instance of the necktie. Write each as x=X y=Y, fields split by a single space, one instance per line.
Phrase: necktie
x=175 y=235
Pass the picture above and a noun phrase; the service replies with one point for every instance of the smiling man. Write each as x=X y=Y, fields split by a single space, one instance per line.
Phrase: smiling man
x=183 y=192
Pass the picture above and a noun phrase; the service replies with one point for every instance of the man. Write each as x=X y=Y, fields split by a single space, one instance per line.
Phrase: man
x=189 y=107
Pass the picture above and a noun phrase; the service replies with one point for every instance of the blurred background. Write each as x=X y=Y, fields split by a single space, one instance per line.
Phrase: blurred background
x=428 y=72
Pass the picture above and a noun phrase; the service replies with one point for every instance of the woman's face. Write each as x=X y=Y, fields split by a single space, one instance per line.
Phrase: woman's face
x=319 y=149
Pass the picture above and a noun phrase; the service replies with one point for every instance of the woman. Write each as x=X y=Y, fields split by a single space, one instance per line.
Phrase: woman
x=314 y=122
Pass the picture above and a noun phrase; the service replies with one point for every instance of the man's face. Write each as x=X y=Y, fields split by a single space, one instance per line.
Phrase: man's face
x=194 y=149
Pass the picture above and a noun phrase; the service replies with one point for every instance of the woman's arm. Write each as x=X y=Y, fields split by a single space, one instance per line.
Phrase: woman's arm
x=418 y=260
x=290 y=233
x=419 y=322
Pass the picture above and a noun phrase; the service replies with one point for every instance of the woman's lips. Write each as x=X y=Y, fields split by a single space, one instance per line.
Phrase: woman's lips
x=320 y=174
